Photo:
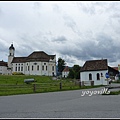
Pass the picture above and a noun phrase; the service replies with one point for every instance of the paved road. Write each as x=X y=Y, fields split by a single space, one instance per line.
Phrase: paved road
x=67 y=104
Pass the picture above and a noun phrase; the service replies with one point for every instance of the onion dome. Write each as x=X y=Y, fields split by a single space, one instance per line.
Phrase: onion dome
x=11 y=47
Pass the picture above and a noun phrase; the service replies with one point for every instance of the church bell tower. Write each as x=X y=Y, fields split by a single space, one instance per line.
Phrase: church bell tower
x=11 y=55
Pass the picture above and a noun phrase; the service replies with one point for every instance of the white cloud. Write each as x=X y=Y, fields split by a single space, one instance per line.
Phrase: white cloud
x=76 y=31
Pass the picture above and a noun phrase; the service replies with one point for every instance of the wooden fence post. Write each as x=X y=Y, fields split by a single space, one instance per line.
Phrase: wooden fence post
x=92 y=83
x=34 y=88
x=80 y=84
x=60 y=86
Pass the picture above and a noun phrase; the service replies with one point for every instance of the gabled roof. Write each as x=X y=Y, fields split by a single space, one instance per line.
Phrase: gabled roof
x=66 y=69
x=40 y=56
x=95 y=65
x=35 y=56
x=2 y=63
x=19 y=60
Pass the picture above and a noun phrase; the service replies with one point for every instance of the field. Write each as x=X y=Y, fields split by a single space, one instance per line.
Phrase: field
x=14 y=84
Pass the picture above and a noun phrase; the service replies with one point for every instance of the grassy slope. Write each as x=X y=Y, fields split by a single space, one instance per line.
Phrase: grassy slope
x=14 y=84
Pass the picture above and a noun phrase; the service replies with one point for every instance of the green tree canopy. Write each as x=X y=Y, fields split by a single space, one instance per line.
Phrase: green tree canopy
x=71 y=73
x=61 y=64
x=75 y=72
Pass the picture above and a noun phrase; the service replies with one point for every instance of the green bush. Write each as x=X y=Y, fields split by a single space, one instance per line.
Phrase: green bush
x=17 y=73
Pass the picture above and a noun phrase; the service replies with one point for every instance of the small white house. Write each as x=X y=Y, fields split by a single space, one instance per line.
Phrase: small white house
x=65 y=72
x=94 y=70
x=3 y=67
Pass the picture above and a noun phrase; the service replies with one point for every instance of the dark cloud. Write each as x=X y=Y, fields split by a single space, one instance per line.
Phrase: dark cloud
x=115 y=15
x=59 y=39
x=68 y=59
x=103 y=47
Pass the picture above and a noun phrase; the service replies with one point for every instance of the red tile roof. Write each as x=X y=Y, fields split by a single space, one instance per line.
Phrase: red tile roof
x=116 y=68
x=66 y=69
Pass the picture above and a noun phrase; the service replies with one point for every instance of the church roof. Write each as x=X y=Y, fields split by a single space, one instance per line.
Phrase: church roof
x=2 y=63
x=95 y=65
x=19 y=60
x=35 y=56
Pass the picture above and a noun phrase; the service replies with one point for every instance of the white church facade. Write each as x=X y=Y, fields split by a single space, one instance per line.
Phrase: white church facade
x=37 y=63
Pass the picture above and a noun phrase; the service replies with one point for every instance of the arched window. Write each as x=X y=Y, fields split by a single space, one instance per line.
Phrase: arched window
x=38 y=67
x=32 y=67
x=90 y=76
x=98 y=76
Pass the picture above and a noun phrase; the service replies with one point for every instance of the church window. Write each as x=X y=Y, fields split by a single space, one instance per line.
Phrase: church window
x=42 y=67
x=15 y=68
x=18 y=68
x=38 y=67
x=52 y=68
x=32 y=67
x=98 y=76
x=90 y=76
x=21 y=68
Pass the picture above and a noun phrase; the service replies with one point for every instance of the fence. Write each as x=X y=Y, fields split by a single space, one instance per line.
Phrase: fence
x=8 y=89
x=35 y=87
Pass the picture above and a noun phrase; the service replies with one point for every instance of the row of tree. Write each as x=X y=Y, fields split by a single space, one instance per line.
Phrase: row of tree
x=74 y=72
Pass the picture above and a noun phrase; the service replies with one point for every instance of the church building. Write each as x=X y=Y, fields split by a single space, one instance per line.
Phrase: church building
x=37 y=63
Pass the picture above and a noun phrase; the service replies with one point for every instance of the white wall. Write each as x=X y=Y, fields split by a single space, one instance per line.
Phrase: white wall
x=14 y=65
x=3 y=70
x=65 y=74
x=84 y=76
x=48 y=72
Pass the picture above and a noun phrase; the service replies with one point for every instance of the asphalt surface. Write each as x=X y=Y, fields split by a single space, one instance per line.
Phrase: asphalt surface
x=64 y=104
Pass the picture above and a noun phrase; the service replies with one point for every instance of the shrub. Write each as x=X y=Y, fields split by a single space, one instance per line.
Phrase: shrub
x=17 y=73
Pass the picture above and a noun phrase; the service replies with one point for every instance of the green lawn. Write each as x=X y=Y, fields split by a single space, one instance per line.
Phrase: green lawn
x=14 y=84
x=113 y=93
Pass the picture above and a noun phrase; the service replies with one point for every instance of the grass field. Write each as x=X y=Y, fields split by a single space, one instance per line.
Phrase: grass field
x=14 y=84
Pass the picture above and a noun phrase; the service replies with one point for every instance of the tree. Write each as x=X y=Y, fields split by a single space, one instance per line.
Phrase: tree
x=71 y=73
x=74 y=72
x=76 y=69
x=61 y=65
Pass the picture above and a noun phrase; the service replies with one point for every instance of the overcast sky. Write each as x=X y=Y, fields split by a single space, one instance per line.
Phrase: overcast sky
x=76 y=31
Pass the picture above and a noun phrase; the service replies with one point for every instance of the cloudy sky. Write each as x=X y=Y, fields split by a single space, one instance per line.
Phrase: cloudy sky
x=75 y=31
